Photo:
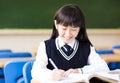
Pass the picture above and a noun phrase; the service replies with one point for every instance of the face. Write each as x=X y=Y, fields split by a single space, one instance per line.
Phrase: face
x=67 y=34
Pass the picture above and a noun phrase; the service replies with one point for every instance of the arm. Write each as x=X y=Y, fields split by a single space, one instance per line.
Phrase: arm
x=96 y=63
x=39 y=70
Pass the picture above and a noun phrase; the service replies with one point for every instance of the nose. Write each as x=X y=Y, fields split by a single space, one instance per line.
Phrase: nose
x=68 y=32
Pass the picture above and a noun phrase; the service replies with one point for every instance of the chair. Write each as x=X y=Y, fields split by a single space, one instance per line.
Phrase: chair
x=111 y=65
x=116 y=47
x=1 y=69
x=5 y=50
x=13 y=71
x=15 y=54
x=105 y=51
x=27 y=71
x=11 y=55
x=116 y=50
x=2 y=80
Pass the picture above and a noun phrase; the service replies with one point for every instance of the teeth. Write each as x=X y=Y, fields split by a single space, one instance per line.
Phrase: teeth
x=67 y=37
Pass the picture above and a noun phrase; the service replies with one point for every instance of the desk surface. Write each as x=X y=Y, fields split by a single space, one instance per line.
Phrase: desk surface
x=115 y=73
x=3 y=61
x=111 y=57
x=34 y=81
x=106 y=57
x=116 y=51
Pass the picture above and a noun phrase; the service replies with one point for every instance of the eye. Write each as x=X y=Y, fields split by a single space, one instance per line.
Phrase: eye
x=64 y=28
x=74 y=29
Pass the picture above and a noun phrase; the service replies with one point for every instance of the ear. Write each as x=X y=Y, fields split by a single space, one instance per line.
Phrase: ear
x=55 y=22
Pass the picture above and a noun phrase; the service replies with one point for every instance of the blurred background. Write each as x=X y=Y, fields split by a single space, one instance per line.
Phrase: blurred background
x=25 y=23
x=39 y=13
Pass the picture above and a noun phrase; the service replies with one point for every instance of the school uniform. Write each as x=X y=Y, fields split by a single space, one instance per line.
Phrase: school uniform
x=77 y=59
x=83 y=57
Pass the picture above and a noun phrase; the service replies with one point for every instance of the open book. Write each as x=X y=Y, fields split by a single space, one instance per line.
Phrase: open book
x=90 y=78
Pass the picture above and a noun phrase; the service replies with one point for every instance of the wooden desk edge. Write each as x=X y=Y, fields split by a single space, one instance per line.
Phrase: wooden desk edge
x=3 y=61
x=111 y=58
x=34 y=81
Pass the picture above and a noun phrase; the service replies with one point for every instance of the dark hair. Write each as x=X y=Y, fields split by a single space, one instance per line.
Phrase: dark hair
x=71 y=15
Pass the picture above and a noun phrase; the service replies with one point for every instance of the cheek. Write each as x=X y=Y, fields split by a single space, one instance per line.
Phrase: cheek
x=60 y=32
x=76 y=33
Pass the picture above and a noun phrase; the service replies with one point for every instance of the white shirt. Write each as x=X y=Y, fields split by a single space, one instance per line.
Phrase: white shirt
x=41 y=72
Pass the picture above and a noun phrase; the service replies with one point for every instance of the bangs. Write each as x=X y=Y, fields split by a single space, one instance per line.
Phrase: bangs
x=69 y=16
x=68 y=20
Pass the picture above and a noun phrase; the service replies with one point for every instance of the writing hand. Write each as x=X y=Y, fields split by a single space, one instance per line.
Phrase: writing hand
x=70 y=71
x=57 y=74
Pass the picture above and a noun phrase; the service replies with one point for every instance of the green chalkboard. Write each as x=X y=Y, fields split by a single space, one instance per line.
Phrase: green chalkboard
x=39 y=13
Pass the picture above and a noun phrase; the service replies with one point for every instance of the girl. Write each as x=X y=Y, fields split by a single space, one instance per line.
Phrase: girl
x=68 y=48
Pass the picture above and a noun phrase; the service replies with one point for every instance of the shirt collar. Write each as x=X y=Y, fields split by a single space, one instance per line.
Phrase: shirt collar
x=61 y=42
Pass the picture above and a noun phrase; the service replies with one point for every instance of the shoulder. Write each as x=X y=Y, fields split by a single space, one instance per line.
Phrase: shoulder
x=92 y=48
x=84 y=44
x=49 y=41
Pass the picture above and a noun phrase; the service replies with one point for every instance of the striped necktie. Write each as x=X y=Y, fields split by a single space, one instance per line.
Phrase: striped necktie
x=67 y=49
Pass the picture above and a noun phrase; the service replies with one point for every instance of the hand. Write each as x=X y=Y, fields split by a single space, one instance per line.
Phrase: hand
x=70 y=71
x=57 y=74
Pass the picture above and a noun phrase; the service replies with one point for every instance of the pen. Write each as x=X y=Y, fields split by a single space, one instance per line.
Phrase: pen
x=53 y=63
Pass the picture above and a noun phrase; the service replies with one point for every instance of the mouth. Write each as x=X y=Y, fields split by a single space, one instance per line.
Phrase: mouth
x=67 y=39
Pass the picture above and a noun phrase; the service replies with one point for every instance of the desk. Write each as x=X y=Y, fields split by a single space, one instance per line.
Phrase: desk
x=108 y=75
x=111 y=57
x=116 y=51
x=34 y=81
x=3 y=61
x=106 y=57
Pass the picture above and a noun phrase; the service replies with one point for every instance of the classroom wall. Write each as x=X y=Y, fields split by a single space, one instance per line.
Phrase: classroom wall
x=26 y=40
x=39 y=13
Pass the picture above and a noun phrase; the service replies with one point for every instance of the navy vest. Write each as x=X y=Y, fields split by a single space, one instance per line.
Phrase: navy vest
x=79 y=60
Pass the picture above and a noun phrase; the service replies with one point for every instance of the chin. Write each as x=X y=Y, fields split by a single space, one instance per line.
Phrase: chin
x=67 y=42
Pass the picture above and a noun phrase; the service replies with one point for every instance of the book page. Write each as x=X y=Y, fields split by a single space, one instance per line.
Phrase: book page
x=72 y=78
x=84 y=78
x=116 y=71
x=75 y=78
x=112 y=78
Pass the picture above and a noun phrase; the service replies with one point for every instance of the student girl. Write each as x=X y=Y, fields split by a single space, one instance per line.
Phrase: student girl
x=69 y=48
